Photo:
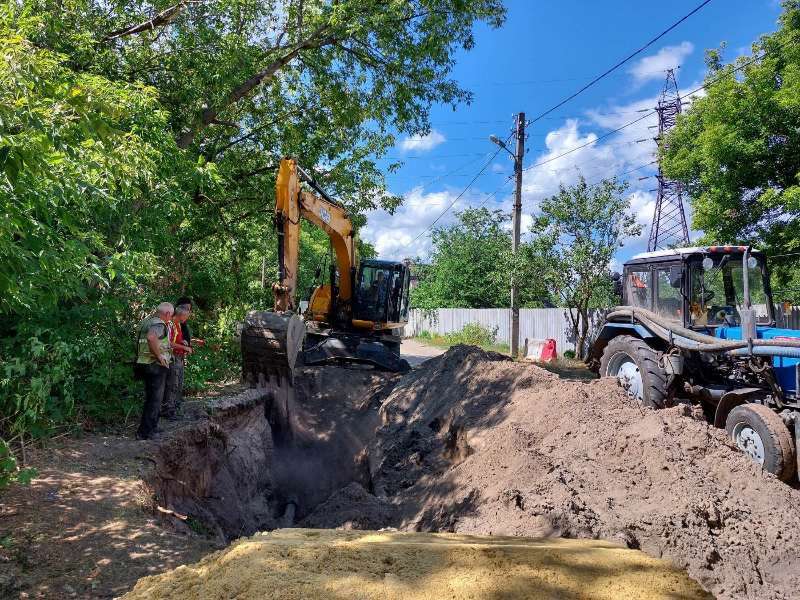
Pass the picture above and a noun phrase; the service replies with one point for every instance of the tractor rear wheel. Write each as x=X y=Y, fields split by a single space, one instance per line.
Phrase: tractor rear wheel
x=636 y=366
x=762 y=435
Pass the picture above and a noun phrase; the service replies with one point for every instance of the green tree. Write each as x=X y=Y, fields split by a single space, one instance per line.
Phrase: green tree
x=468 y=264
x=737 y=150
x=574 y=240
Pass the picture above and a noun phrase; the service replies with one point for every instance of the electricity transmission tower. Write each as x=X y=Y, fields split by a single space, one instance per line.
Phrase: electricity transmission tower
x=669 y=221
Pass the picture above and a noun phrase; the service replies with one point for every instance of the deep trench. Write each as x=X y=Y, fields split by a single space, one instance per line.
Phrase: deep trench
x=266 y=458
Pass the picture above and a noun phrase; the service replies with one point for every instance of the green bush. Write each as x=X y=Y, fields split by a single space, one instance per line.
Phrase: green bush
x=9 y=471
x=474 y=334
x=570 y=354
x=425 y=335
x=214 y=362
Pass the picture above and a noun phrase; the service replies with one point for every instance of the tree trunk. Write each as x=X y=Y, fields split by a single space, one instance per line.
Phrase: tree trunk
x=581 y=325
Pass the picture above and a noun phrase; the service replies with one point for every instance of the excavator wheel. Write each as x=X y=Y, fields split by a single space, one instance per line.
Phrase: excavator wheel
x=271 y=342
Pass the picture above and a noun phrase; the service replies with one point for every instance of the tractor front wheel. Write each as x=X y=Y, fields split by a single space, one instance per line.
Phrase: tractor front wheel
x=636 y=366
x=762 y=435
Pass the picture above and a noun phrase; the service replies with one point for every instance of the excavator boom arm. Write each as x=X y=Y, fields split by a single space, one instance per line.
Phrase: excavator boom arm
x=325 y=213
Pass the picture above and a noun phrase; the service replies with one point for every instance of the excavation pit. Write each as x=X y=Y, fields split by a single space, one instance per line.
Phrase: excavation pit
x=266 y=458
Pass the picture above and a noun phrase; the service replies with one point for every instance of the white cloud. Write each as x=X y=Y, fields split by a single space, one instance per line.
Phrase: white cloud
x=654 y=67
x=575 y=146
x=422 y=144
x=393 y=235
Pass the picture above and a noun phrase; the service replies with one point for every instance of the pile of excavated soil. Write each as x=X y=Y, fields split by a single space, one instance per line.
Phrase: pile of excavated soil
x=351 y=507
x=473 y=444
x=310 y=563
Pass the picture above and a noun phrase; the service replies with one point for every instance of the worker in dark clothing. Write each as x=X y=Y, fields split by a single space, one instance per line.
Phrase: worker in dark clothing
x=171 y=406
x=153 y=351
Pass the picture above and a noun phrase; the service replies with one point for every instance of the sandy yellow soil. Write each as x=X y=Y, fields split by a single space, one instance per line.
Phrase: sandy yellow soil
x=323 y=563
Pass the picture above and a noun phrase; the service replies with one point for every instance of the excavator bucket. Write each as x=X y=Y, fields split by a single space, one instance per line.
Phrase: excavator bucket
x=271 y=342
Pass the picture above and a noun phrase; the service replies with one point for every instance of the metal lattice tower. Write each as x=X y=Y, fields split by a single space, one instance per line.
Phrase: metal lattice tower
x=669 y=220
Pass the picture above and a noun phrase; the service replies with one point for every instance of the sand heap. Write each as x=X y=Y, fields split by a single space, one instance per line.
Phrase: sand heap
x=474 y=444
x=310 y=563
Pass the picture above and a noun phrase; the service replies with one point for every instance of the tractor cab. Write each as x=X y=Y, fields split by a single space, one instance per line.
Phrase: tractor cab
x=700 y=288
x=381 y=295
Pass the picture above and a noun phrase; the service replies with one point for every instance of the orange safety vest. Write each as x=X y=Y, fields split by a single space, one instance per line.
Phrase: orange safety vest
x=176 y=336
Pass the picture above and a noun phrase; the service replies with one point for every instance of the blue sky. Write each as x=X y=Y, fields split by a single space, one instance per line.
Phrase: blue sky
x=546 y=51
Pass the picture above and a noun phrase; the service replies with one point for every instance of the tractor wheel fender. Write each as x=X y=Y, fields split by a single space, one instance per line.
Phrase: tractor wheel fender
x=611 y=330
x=761 y=434
x=729 y=401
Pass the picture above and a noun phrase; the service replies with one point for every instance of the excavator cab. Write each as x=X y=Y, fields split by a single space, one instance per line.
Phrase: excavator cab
x=381 y=299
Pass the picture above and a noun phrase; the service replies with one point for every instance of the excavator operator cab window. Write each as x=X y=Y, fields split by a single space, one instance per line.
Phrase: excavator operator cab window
x=382 y=291
x=373 y=292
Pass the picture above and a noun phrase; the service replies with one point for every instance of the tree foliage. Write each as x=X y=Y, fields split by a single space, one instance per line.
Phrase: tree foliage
x=737 y=150
x=471 y=264
x=574 y=241
x=139 y=146
x=468 y=264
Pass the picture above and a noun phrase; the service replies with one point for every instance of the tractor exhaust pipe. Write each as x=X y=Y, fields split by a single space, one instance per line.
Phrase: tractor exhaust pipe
x=747 y=314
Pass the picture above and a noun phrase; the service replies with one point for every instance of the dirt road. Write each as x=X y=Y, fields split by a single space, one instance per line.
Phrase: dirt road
x=417 y=353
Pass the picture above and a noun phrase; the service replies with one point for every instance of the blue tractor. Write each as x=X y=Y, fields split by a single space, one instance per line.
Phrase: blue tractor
x=700 y=324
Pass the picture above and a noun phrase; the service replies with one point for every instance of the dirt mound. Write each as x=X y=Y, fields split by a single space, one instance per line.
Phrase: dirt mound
x=473 y=444
x=351 y=507
x=309 y=563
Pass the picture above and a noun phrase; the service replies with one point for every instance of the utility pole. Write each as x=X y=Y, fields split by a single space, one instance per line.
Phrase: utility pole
x=519 y=154
x=517 y=131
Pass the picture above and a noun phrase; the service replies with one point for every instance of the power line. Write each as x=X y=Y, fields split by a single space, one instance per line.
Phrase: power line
x=705 y=86
x=619 y=64
x=564 y=79
x=604 y=168
x=428 y=176
x=489 y=197
x=466 y=203
x=464 y=191
x=425 y=139
x=605 y=135
x=651 y=113
x=608 y=114
x=428 y=156
x=640 y=167
x=542 y=116
x=422 y=187
x=702 y=87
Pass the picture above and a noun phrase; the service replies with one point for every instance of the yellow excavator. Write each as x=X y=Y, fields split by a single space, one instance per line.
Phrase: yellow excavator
x=351 y=318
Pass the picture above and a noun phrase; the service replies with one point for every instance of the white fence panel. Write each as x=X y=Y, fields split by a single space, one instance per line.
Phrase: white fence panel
x=547 y=323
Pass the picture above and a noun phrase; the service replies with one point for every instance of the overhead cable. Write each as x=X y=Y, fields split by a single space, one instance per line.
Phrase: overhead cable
x=619 y=64
x=464 y=191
